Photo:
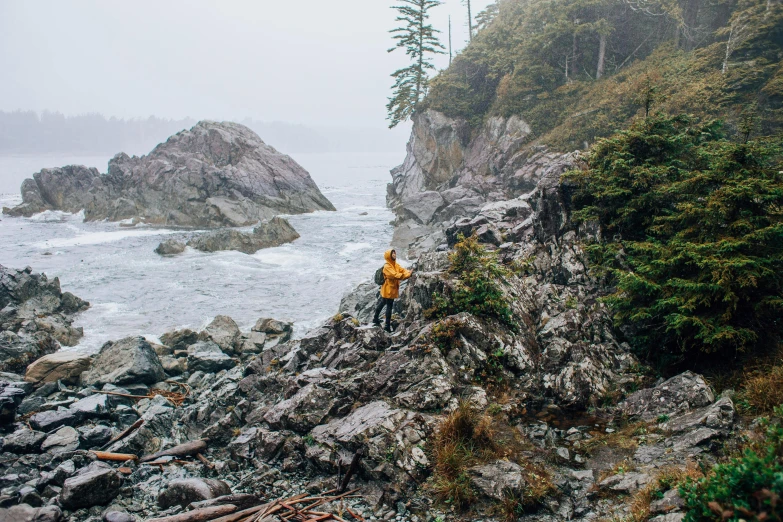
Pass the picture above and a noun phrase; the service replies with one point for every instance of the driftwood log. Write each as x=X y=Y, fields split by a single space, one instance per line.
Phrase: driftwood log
x=240 y=500
x=183 y=450
x=198 y=515
x=117 y=457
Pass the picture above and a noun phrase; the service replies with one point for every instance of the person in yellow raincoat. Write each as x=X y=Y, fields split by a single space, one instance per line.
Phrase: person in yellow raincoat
x=393 y=273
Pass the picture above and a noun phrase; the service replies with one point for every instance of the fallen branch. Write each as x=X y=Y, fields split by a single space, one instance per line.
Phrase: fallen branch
x=204 y=461
x=198 y=515
x=240 y=515
x=136 y=425
x=181 y=450
x=117 y=457
x=241 y=500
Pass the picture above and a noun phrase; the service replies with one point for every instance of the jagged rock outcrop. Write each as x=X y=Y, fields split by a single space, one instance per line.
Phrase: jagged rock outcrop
x=36 y=317
x=449 y=174
x=275 y=232
x=212 y=175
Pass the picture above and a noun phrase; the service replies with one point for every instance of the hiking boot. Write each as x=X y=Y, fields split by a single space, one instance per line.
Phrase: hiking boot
x=388 y=329
x=376 y=322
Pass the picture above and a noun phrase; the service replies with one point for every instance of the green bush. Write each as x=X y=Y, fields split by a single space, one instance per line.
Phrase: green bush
x=693 y=235
x=478 y=289
x=747 y=488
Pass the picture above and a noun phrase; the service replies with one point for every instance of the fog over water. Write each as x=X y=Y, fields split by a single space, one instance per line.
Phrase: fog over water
x=311 y=76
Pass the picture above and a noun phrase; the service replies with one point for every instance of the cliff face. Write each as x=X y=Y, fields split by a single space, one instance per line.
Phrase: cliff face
x=213 y=175
x=448 y=175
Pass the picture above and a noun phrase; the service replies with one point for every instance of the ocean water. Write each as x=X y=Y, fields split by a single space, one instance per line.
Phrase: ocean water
x=133 y=291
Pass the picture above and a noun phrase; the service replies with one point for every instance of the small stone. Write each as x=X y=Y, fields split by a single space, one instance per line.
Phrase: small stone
x=671 y=501
x=63 y=440
x=563 y=453
x=118 y=516
x=24 y=441
x=497 y=479
x=65 y=366
x=95 y=436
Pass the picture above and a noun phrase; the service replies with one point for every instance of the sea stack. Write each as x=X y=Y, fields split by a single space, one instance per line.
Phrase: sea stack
x=217 y=174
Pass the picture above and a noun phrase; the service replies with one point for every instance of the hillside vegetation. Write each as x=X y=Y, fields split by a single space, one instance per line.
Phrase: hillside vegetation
x=577 y=70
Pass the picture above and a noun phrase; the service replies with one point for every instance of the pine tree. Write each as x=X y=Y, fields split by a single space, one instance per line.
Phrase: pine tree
x=420 y=41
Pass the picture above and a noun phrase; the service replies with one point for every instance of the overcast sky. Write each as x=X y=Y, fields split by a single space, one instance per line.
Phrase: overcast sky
x=314 y=62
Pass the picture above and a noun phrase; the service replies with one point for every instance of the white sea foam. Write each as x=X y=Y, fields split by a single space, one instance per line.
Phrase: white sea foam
x=349 y=248
x=97 y=238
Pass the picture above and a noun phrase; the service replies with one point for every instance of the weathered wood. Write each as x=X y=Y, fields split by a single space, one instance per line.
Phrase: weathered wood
x=240 y=515
x=357 y=457
x=241 y=500
x=182 y=450
x=117 y=457
x=198 y=515
x=136 y=425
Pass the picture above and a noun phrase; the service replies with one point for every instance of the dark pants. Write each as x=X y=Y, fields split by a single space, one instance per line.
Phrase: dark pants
x=388 y=303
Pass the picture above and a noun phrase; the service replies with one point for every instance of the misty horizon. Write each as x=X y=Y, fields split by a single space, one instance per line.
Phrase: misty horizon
x=300 y=63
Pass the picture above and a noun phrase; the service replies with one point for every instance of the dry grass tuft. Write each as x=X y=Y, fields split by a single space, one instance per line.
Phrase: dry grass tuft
x=468 y=437
x=761 y=391
x=666 y=479
x=465 y=438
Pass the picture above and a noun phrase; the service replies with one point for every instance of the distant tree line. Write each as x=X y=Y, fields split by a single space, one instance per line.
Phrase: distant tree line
x=28 y=132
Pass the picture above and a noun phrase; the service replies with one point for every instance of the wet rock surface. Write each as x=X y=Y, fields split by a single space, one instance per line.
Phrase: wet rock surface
x=212 y=175
x=231 y=418
x=36 y=317
x=274 y=232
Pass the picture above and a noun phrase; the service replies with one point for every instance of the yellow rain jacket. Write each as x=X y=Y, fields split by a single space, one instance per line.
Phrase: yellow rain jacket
x=393 y=273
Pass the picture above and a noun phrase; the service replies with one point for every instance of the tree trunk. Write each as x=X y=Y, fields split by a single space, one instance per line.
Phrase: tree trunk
x=470 y=24
x=574 y=62
x=601 y=56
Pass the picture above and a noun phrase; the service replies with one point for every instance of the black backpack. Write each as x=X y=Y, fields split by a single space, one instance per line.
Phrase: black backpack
x=379 y=277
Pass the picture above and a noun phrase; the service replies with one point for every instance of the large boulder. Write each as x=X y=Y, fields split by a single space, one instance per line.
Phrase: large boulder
x=170 y=247
x=206 y=356
x=24 y=441
x=213 y=175
x=185 y=491
x=498 y=479
x=97 y=484
x=59 y=366
x=680 y=394
x=28 y=513
x=129 y=361
x=35 y=318
x=224 y=332
x=275 y=232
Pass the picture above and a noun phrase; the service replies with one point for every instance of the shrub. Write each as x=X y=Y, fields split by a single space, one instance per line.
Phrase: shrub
x=479 y=284
x=693 y=234
x=445 y=335
x=746 y=488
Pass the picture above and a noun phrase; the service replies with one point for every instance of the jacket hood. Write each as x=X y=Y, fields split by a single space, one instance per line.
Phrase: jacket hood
x=387 y=256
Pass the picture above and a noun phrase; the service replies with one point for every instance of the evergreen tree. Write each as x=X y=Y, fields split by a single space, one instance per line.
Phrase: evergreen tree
x=420 y=41
x=693 y=234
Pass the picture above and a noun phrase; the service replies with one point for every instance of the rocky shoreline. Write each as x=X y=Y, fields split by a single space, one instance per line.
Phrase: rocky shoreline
x=222 y=419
